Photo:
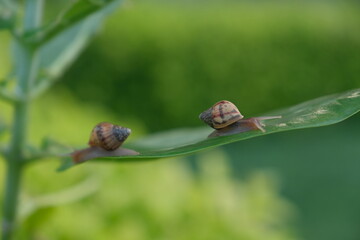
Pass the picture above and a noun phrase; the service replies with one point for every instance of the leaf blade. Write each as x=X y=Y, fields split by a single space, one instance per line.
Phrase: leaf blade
x=77 y=12
x=314 y=113
x=57 y=53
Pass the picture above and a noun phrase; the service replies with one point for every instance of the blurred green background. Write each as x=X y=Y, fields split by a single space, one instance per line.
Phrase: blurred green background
x=155 y=65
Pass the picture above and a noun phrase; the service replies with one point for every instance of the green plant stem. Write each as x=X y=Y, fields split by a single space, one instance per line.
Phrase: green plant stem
x=27 y=73
x=12 y=186
x=16 y=158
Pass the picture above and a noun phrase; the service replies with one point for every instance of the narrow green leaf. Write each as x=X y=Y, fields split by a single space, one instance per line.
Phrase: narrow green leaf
x=48 y=147
x=74 y=14
x=315 y=113
x=75 y=193
x=58 y=53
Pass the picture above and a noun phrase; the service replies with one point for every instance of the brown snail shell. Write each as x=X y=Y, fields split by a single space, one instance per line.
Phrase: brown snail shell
x=108 y=136
x=222 y=114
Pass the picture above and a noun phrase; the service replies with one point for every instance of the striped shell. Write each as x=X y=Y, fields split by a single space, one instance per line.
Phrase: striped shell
x=108 y=136
x=222 y=114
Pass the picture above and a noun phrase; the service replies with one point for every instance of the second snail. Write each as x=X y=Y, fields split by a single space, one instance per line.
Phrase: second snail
x=226 y=119
x=105 y=141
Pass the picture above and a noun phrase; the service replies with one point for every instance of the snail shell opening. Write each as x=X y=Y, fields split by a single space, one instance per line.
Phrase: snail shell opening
x=206 y=117
x=108 y=136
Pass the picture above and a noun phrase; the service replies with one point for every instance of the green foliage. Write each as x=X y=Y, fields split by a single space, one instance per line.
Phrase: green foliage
x=171 y=60
x=64 y=38
x=78 y=11
x=163 y=200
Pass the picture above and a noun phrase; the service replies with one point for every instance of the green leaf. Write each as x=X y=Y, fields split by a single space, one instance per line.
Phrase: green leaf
x=59 y=52
x=74 y=14
x=48 y=147
x=315 y=113
x=74 y=193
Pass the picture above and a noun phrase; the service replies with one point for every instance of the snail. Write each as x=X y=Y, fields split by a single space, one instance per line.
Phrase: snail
x=105 y=141
x=108 y=136
x=226 y=119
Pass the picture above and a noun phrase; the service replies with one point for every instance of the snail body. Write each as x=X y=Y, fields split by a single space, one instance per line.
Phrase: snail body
x=108 y=136
x=225 y=116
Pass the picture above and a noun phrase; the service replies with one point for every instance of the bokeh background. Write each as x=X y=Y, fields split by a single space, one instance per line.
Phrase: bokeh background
x=154 y=66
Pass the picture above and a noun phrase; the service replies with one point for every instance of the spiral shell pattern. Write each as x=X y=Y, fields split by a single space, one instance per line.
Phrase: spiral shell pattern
x=222 y=114
x=108 y=136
